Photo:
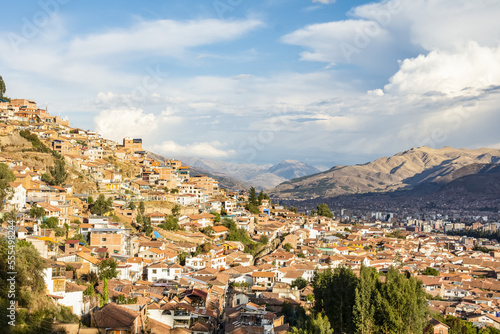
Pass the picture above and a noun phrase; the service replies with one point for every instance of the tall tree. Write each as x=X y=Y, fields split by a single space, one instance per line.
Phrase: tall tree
x=3 y=89
x=6 y=176
x=323 y=210
x=58 y=172
x=252 y=197
x=318 y=324
x=101 y=205
x=364 y=307
x=401 y=305
x=146 y=226
x=36 y=212
x=105 y=293
x=107 y=269
x=334 y=292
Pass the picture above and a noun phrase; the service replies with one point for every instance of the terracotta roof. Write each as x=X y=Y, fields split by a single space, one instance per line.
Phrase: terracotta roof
x=114 y=316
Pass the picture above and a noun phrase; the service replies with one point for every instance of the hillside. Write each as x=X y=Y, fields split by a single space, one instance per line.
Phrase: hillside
x=404 y=170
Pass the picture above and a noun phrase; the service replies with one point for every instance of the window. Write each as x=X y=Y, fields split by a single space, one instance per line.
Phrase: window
x=154 y=271
x=103 y=239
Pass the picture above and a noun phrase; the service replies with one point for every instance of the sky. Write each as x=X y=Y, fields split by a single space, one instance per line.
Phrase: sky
x=327 y=82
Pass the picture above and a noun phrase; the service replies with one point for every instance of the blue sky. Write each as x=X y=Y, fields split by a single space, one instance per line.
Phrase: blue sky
x=322 y=81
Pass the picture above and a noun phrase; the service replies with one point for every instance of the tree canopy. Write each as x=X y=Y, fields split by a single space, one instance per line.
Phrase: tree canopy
x=324 y=211
x=101 y=206
x=107 y=269
x=366 y=305
x=6 y=176
x=3 y=88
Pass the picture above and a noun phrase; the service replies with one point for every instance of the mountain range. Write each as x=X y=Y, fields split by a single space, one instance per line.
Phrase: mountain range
x=243 y=176
x=422 y=169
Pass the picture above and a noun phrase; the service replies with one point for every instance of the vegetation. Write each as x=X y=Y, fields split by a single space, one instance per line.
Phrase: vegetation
x=318 y=324
x=324 y=211
x=107 y=269
x=366 y=305
x=264 y=240
x=241 y=235
x=254 y=200
x=58 y=173
x=3 y=88
x=101 y=206
x=288 y=247
x=477 y=234
x=6 y=176
x=171 y=223
x=300 y=283
x=176 y=210
x=29 y=291
x=481 y=249
x=182 y=258
x=121 y=299
x=37 y=144
x=430 y=271
x=396 y=234
x=36 y=212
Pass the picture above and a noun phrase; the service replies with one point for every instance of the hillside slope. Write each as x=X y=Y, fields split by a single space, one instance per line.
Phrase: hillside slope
x=403 y=170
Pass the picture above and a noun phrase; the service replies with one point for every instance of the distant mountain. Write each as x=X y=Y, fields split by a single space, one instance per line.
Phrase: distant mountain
x=225 y=181
x=248 y=175
x=291 y=169
x=423 y=166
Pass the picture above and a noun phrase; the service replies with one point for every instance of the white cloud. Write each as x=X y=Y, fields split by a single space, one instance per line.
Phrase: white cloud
x=456 y=73
x=326 y=2
x=119 y=123
x=198 y=149
x=164 y=37
x=335 y=42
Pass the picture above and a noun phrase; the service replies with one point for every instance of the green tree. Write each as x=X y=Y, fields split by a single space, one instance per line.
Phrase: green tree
x=300 y=283
x=51 y=222
x=6 y=176
x=171 y=223
x=105 y=293
x=101 y=205
x=141 y=209
x=146 y=226
x=324 y=211
x=58 y=172
x=318 y=324
x=334 y=293
x=90 y=200
x=217 y=216
x=208 y=231
x=264 y=240
x=36 y=212
x=430 y=271
x=182 y=258
x=107 y=269
x=400 y=305
x=364 y=307
x=176 y=210
x=288 y=247
x=3 y=88
x=252 y=197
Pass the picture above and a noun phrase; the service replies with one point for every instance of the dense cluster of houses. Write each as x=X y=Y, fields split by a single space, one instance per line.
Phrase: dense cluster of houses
x=203 y=283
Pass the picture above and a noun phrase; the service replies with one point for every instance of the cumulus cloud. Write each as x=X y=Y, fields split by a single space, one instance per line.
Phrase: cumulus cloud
x=456 y=73
x=197 y=149
x=119 y=123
